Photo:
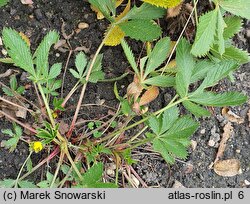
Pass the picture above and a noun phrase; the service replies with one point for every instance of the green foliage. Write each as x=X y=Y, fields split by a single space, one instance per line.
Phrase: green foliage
x=93 y=178
x=14 y=88
x=46 y=183
x=9 y=183
x=185 y=64
x=236 y=7
x=171 y=134
x=3 y=2
x=48 y=133
x=82 y=66
x=205 y=33
x=136 y=29
x=233 y=26
x=11 y=143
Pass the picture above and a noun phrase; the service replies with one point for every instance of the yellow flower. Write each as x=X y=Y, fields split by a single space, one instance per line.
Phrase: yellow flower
x=37 y=146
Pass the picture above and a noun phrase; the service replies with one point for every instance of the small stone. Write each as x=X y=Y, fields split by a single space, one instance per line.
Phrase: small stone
x=57 y=55
x=83 y=25
x=4 y=52
x=110 y=172
x=203 y=131
x=193 y=144
x=247 y=183
x=1 y=42
x=211 y=143
x=238 y=151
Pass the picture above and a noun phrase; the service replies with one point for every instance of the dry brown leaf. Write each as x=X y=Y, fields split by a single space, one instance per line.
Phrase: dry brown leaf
x=228 y=130
x=21 y=113
x=231 y=116
x=134 y=90
x=173 y=12
x=229 y=167
x=150 y=95
x=7 y=73
x=63 y=127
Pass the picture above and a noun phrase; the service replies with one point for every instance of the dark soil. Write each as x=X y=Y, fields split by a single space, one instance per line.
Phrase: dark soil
x=44 y=15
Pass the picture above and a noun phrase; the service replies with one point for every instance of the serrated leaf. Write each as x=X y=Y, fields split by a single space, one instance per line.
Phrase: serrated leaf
x=168 y=118
x=236 y=7
x=81 y=62
x=176 y=148
x=161 y=81
x=143 y=30
x=232 y=53
x=3 y=2
x=185 y=66
x=93 y=175
x=200 y=70
x=96 y=76
x=145 y=11
x=220 y=71
x=13 y=83
x=130 y=56
x=159 y=146
x=158 y=55
x=43 y=184
x=220 y=30
x=74 y=73
x=106 y=7
x=164 y=3
x=233 y=26
x=195 y=109
x=205 y=34
x=7 y=183
x=114 y=37
x=42 y=53
x=18 y=50
x=219 y=100
x=11 y=143
x=184 y=127
x=55 y=70
x=155 y=124
x=26 y=184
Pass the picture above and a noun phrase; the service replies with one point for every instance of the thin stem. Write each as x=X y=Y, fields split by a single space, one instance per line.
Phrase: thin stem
x=72 y=91
x=142 y=120
x=114 y=79
x=46 y=105
x=195 y=12
x=65 y=70
x=51 y=156
x=73 y=165
x=83 y=91
x=177 y=42
x=19 y=174
x=57 y=169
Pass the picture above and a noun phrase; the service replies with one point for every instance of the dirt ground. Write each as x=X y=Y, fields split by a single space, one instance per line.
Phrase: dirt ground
x=35 y=21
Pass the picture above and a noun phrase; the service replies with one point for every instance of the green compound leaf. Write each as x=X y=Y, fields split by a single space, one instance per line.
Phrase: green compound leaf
x=205 y=33
x=42 y=53
x=195 y=109
x=219 y=100
x=233 y=26
x=3 y=2
x=220 y=30
x=158 y=55
x=145 y=11
x=232 y=53
x=18 y=50
x=143 y=30
x=185 y=66
x=236 y=7
x=81 y=62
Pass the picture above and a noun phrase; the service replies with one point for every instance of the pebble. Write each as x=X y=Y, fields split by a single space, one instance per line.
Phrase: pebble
x=203 y=131
x=247 y=182
x=1 y=42
x=83 y=25
x=4 y=52
x=238 y=151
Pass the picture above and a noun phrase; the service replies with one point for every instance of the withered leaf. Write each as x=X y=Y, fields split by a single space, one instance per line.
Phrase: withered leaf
x=229 y=167
x=150 y=95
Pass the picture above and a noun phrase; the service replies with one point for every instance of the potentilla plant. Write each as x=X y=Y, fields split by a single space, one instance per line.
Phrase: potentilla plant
x=204 y=63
